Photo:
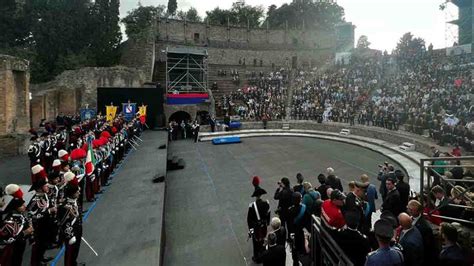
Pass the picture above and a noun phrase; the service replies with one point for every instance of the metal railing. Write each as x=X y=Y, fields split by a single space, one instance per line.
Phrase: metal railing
x=428 y=169
x=324 y=249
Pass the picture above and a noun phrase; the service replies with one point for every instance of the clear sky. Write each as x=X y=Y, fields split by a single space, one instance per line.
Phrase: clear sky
x=383 y=21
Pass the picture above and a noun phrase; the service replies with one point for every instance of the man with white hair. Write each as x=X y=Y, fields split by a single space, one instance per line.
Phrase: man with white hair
x=278 y=230
x=332 y=180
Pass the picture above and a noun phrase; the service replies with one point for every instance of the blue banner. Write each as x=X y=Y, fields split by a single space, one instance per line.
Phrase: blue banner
x=129 y=110
x=87 y=113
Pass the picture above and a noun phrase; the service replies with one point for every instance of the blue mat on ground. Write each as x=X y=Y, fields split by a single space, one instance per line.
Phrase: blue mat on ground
x=235 y=124
x=225 y=140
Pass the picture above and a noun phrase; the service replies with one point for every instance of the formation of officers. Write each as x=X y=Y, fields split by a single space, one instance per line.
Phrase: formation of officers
x=69 y=164
x=402 y=235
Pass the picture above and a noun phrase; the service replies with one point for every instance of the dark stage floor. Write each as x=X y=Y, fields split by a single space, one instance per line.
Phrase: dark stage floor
x=207 y=202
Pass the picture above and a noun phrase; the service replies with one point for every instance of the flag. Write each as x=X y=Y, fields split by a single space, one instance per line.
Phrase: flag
x=90 y=161
x=111 y=112
x=142 y=110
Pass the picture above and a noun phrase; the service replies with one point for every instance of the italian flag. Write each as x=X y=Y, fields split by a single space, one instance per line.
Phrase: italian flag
x=90 y=160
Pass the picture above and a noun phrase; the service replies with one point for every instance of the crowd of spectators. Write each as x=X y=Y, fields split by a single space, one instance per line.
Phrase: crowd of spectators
x=409 y=229
x=428 y=94
x=265 y=97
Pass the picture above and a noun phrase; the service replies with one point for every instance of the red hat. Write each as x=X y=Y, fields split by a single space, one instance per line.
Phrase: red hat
x=63 y=155
x=14 y=190
x=85 y=147
x=96 y=143
x=256 y=181
x=105 y=134
x=71 y=179
x=78 y=154
x=103 y=140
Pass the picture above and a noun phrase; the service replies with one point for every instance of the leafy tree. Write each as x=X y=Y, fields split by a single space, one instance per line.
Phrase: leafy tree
x=239 y=14
x=172 y=7
x=107 y=36
x=409 y=47
x=313 y=14
x=190 y=15
x=141 y=18
x=363 y=42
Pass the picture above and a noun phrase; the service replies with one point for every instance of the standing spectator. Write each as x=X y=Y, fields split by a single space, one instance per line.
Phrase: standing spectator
x=403 y=188
x=323 y=187
x=409 y=237
x=392 y=202
x=331 y=212
x=332 y=180
x=275 y=254
x=354 y=244
x=310 y=200
x=284 y=196
x=384 y=255
x=299 y=187
x=278 y=230
x=451 y=253
x=386 y=171
x=296 y=218
x=371 y=197
x=415 y=209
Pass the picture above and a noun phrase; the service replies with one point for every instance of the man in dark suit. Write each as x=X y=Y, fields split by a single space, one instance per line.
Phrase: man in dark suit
x=403 y=188
x=451 y=254
x=392 y=201
x=415 y=209
x=386 y=171
x=411 y=240
x=354 y=244
x=284 y=196
x=275 y=255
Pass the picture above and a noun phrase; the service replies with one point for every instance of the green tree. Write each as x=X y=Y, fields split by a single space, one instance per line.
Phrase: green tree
x=311 y=14
x=409 y=47
x=363 y=43
x=239 y=15
x=140 y=19
x=190 y=15
x=172 y=7
x=107 y=36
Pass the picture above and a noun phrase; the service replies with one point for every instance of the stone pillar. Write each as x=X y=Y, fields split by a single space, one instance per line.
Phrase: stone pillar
x=14 y=95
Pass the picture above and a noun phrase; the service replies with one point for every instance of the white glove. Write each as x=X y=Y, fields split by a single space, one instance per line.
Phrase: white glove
x=72 y=240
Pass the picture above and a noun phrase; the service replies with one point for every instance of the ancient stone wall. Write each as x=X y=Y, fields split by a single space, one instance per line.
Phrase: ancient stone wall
x=75 y=89
x=14 y=95
x=192 y=33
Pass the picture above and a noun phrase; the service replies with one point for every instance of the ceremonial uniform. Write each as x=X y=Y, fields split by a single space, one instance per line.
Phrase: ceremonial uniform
x=70 y=224
x=15 y=228
x=41 y=219
x=258 y=218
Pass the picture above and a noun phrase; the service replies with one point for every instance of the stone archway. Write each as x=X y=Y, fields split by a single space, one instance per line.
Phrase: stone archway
x=180 y=116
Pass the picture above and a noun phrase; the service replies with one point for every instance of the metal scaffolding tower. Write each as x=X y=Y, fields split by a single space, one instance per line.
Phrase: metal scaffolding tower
x=186 y=70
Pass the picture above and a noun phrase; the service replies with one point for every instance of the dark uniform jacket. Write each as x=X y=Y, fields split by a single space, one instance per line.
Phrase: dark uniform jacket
x=429 y=243
x=354 y=244
x=284 y=198
x=404 y=190
x=392 y=203
x=334 y=182
x=274 y=256
x=259 y=225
